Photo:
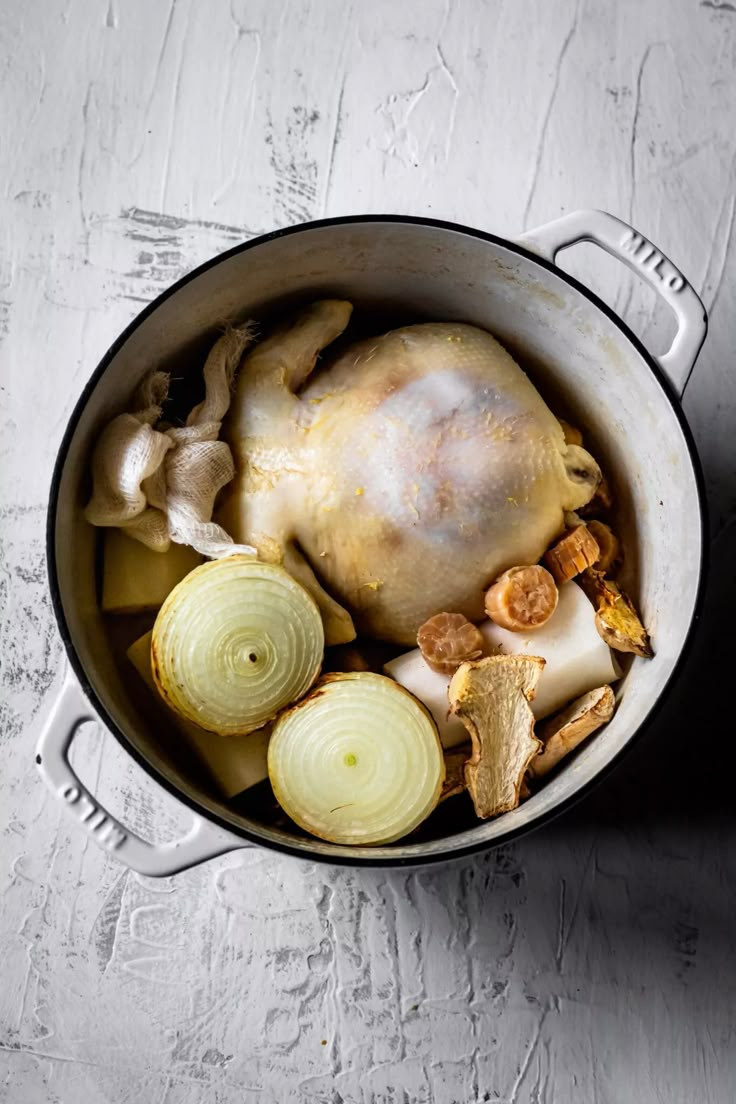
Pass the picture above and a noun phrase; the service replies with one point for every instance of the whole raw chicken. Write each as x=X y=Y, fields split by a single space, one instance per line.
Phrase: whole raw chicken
x=403 y=477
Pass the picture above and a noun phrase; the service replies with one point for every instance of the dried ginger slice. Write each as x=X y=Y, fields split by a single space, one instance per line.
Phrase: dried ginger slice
x=491 y=697
x=561 y=734
x=616 y=619
x=571 y=554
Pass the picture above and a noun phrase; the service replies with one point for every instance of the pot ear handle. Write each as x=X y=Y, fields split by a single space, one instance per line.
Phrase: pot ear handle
x=203 y=841
x=637 y=253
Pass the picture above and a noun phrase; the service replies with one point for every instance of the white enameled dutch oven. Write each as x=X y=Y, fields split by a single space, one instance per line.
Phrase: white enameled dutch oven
x=581 y=354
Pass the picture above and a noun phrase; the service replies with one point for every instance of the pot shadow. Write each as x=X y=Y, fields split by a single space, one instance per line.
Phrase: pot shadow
x=627 y=900
x=673 y=770
x=677 y=769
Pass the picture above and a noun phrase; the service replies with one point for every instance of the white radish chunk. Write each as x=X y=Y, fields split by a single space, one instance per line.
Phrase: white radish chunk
x=577 y=660
x=135 y=578
x=412 y=672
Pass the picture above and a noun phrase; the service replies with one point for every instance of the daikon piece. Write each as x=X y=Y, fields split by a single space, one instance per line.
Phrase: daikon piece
x=411 y=671
x=577 y=660
x=235 y=762
x=135 y=578
x=570 y=645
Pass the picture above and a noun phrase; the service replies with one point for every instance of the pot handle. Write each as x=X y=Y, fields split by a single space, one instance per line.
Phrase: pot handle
x=70 y=710
x=637 y=253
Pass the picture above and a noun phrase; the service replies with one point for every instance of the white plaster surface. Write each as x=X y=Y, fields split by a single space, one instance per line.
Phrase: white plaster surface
x=592 y=962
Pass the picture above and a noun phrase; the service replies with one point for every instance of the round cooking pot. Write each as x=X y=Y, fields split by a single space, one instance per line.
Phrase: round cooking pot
x=582 y=357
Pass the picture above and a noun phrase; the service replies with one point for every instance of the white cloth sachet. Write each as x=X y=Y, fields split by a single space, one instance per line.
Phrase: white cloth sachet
x=160 y=485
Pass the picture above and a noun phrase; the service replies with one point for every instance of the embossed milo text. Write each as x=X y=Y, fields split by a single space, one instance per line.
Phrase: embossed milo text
x=650 y=259
x=103 y=828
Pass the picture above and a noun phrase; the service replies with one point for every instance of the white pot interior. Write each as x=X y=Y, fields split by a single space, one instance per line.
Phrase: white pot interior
x=583 y=363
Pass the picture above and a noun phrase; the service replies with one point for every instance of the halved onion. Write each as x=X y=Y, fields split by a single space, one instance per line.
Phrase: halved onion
x=235 y=642
x=358 y=761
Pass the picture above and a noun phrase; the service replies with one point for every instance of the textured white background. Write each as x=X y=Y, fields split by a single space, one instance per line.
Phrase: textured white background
x=594 y=961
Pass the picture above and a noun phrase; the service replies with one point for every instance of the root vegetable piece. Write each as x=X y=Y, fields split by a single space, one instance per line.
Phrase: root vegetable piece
x=430 y=687
x=346 y=658
x=235 y=642
x=562 y=733
x=600 y=503
x=616 y=618
x=491 y=697
x=572 y=553
x=573 y=436
x=521 y=599
x=358 y=761
x=455 y=761
x=235 y=762
x=577 y=660
x=447 y=640
x=135 y=578
x=361 y=655
x=571 y=646
x=608 y=545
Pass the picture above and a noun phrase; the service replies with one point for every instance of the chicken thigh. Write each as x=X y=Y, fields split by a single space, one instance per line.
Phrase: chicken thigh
x=401 y=478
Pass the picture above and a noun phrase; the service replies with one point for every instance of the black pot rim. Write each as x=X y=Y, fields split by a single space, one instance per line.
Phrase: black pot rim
x=88 y=688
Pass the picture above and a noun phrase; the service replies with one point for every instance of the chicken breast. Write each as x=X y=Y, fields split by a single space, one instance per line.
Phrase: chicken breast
x=407 y=474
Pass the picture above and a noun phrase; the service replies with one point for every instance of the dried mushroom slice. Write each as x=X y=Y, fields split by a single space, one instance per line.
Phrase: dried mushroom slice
x=562 y=733
x=616 y=619
x=491 y=697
